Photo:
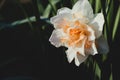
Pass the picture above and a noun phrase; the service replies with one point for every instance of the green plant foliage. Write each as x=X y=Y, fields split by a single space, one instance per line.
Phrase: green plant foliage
x=116 y=23
x=44 y=27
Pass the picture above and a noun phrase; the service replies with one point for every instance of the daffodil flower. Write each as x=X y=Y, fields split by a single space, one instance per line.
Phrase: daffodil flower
x=80 y=31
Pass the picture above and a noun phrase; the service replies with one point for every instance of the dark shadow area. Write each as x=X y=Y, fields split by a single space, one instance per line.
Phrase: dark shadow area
x=27 y=54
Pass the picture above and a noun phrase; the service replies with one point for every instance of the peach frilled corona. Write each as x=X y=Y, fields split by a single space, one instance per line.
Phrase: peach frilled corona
x=79 y=30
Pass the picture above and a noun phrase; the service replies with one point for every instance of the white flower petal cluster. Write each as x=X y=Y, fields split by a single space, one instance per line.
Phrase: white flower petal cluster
x=78 y=29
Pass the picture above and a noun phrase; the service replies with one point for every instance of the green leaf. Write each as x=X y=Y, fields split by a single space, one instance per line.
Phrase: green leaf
x=110 y=14
x=46 y=13
x=111 y=75
x=49 y=7
x=40 y=6
x=108 y=3
x=116 y=23
x=32 y=19
x=104 y=57
x=53 y=4
x=73 y=2
x=105 y=32
x=97 y=6
x=97 y=71
x=19 y=22
x=91 y=1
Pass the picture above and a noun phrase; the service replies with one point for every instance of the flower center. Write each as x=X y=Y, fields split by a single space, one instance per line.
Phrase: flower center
x=77 y=34
x=74 y=35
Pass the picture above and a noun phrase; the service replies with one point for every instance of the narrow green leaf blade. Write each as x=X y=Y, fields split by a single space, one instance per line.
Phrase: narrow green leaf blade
x=116 y=23
x=97 y=6
x=98 y=71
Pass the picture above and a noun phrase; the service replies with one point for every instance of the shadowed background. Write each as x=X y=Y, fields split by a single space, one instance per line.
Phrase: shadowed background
x=26 y=53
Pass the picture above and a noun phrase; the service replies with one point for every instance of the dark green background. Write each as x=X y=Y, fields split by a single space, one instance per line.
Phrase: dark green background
x=28 y=54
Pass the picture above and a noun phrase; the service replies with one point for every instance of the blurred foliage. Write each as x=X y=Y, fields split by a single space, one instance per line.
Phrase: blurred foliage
x=36 y=14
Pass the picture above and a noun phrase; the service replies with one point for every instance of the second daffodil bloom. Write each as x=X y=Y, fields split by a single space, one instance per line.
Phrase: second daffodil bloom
x=79 y=30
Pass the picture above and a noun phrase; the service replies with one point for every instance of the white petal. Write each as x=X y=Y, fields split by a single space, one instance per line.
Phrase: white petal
x=61 y=20
x=63 y=10
x=55 y=37
x=92 y=50
x=81 y=49
x=72 y=51
x=102 y=45
x=97 y=24
x=92 y=34
x=80 y=59
x=70 y=54
x=83 y=8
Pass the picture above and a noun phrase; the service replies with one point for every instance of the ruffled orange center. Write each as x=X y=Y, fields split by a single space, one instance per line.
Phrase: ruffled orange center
x=77 y=35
